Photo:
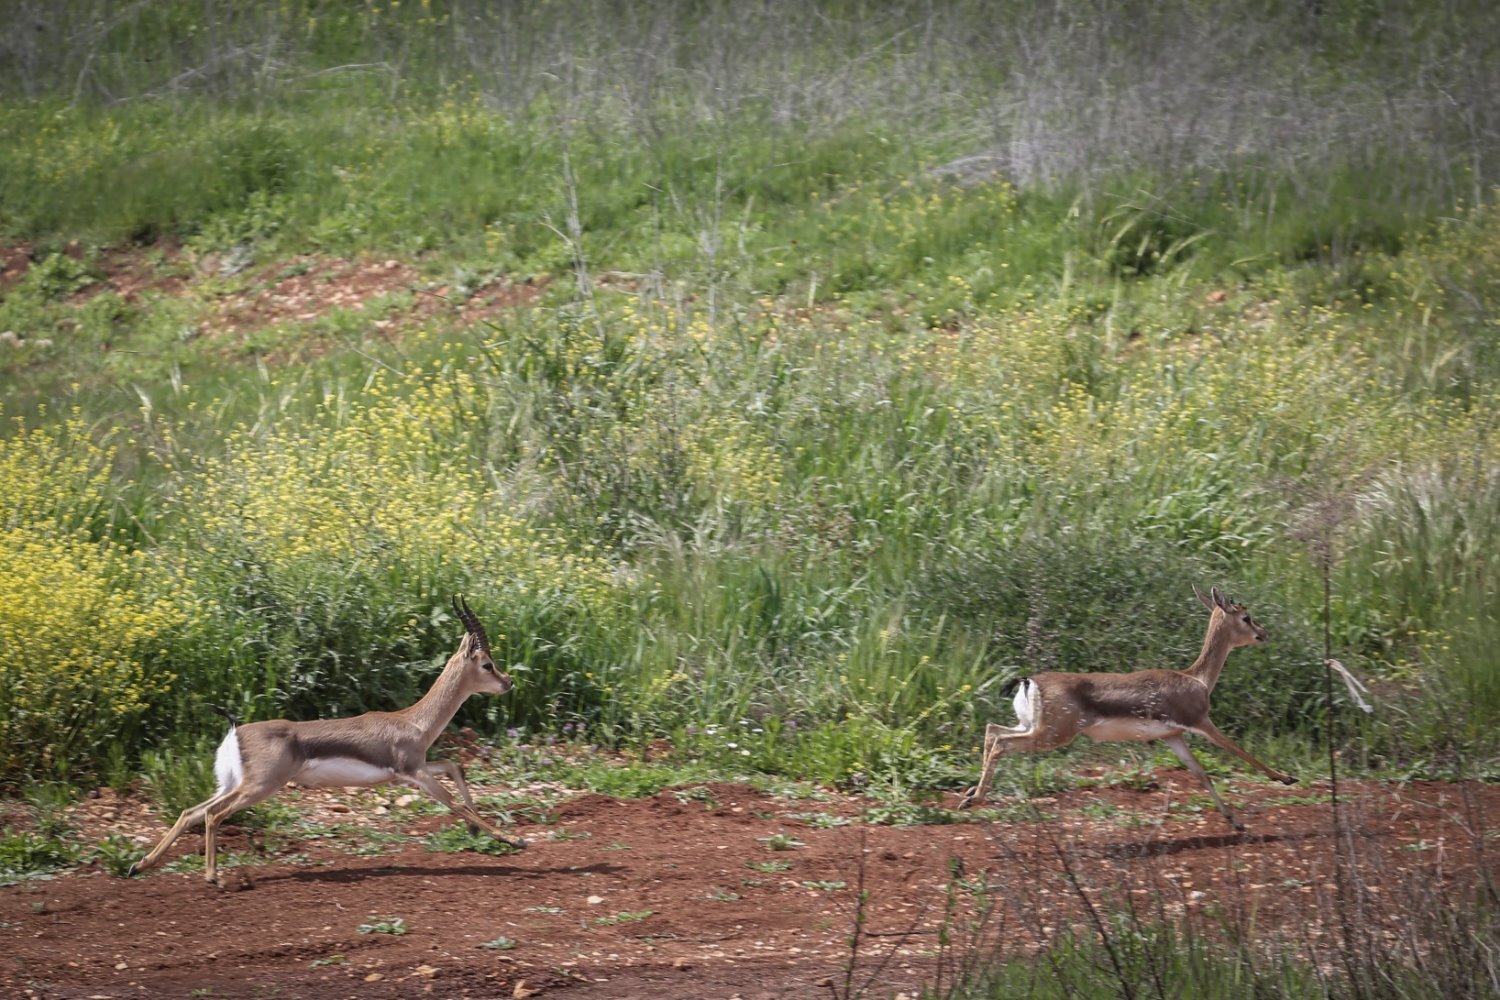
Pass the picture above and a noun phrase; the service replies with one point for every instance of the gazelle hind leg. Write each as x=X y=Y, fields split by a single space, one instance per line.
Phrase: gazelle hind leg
x=243 y=797
x=1027 y=734
x=987 y=759
x=1179 y=747
x=424 y=781
x=1001 y=740
x=188 y=818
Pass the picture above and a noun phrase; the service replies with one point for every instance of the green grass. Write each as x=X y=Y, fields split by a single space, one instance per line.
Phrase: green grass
x=830 y=448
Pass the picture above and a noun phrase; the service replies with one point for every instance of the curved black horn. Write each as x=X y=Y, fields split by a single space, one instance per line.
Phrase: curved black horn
x=471 y=623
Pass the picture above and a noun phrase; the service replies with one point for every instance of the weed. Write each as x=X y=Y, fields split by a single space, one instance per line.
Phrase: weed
x=383 y=925
x=819 y=820
x=117 y=854
x=780 y=842
x=25 y=856
x=456 y=838
x=623 y=917
x=697 y=793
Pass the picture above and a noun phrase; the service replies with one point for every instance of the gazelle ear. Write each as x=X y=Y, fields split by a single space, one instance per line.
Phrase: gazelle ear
x=1206 y=602
x=1219 y=598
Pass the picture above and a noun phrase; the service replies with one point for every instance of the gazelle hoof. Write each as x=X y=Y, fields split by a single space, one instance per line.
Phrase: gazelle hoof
x=133 y=870
x=965 y=800
x=1288 y=779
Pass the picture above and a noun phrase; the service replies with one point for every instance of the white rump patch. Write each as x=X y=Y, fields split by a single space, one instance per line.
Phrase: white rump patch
x=341 y=771
x=1028 y=705
x=228 y=767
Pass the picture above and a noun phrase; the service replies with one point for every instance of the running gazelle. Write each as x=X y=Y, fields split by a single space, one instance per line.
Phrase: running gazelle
x=1053 y=708
x=257 y=759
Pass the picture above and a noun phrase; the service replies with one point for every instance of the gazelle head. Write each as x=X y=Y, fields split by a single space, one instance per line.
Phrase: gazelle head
x=479 y=670
x=1232 y=618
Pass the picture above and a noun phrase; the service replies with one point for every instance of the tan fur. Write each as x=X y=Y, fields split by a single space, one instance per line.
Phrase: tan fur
x=378 y=746
x=1144 y=705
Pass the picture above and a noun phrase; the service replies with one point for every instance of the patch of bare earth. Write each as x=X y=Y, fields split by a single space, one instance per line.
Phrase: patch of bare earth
x=292 y=292
x=679 y=895
x=309 y=287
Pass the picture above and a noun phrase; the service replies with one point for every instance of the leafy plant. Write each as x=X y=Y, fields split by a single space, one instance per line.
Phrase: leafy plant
x=383 y=925
x=624 y=917
x=117 y=854
x=25 y=856
x=780 y=842
x=456 y=838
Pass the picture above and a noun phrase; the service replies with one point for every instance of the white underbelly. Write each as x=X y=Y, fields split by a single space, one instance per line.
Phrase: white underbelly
x=341 y=771
x=1114 y=730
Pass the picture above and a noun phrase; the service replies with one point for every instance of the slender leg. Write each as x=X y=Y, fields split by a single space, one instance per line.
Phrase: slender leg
x=1000 y=740
x=970 y=796
x=242 y=797
x=1209 y=730
x=190 y=816
x=1179 y=747
x=424 y=781
x=987 y=760
x=448 y=769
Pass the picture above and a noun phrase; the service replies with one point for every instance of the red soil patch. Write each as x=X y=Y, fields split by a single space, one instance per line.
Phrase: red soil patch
x=14 y=263
x=298 y=290
x=656 y=897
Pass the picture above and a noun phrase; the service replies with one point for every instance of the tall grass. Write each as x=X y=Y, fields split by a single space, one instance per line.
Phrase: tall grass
x=890 y=356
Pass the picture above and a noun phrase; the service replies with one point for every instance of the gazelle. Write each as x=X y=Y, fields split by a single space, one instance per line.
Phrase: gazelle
x=1053 y=708
x=257 y=759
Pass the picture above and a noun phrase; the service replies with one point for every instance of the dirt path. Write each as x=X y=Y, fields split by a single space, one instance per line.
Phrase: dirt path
x=681 y=895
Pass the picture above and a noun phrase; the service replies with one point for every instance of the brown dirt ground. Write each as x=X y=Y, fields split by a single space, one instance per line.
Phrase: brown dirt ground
x=291 y=291
x=576 y=901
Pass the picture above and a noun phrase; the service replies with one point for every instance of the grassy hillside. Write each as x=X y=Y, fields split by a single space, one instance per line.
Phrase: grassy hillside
x=848 y=361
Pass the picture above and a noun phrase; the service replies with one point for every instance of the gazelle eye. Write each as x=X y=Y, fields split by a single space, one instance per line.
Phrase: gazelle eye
x=1247 y=619
x=491 y=666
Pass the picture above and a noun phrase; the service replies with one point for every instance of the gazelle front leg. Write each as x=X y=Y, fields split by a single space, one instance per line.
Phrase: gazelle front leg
x=424 y=781
x=450 y=770
x=1209 y=730
x=1179 y=747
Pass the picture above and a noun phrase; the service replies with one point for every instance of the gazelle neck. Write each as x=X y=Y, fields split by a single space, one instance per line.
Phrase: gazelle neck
x=1216 y=647
x=435 y=709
